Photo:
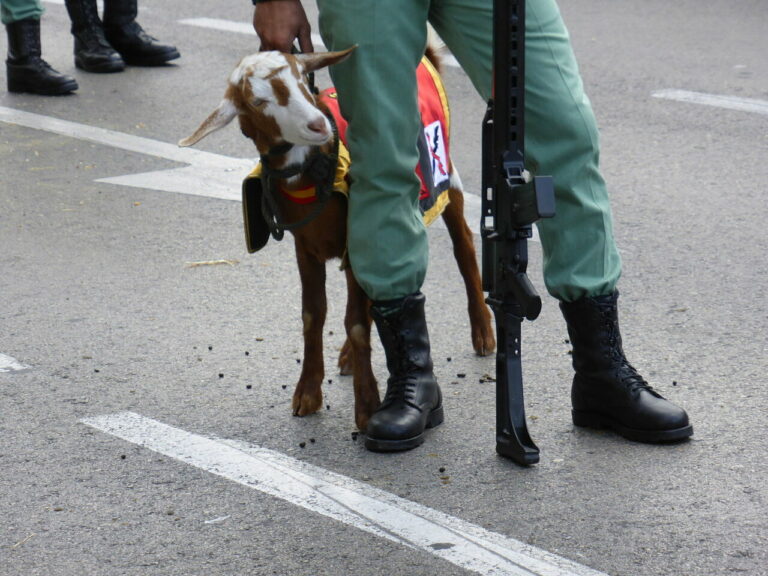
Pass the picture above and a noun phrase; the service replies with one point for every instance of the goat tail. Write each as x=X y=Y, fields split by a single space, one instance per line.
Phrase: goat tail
x=435 y=49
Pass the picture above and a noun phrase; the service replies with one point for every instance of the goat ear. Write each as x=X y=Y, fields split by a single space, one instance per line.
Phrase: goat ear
x=315 y=61
x=223 y=115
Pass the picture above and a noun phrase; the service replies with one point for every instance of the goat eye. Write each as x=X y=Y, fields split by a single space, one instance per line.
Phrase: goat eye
x=256 y=102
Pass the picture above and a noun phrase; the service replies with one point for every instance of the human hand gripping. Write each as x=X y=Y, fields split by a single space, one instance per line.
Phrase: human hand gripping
x=279 y=22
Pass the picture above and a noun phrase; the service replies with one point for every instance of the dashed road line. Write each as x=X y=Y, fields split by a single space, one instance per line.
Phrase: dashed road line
x=247 y=28
x=752 y=105
x=343 y=499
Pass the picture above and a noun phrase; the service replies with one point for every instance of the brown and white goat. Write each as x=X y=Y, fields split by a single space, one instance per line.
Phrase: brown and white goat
x=269 y=94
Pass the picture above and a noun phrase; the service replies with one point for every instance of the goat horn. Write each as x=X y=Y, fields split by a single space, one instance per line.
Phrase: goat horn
x=317 y=60
x=223 y=115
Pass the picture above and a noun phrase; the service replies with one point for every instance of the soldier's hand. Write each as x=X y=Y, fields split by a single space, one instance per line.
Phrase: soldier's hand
x=279 y=22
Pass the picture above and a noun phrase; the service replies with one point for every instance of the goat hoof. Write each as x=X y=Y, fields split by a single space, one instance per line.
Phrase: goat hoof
x=364 y=409
x=345 y=367
x=484 y=343
x=346 y=364
x=305 y=404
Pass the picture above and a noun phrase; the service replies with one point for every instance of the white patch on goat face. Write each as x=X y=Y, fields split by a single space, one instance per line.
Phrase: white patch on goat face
x=280 y=90
x=260 y=64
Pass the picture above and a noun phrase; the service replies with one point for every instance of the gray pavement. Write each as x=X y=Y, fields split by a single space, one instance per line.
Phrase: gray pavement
x=98 y=300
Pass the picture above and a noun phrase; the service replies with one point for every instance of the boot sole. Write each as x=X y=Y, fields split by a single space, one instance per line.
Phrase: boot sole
x=103 y=68
x=24 y=88
x=149 y=61
x=600 y=421
x=380 y=445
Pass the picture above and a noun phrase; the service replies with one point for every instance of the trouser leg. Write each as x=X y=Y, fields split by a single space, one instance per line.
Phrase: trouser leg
x=581 y=262
x=377 y=92
x=387 y=242
x=15 y=10
x=580 y=254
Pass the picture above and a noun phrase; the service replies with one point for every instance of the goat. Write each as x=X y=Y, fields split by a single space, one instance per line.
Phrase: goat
x=270 y=95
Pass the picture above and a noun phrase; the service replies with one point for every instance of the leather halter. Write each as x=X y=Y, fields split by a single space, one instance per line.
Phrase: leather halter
x=319 y=167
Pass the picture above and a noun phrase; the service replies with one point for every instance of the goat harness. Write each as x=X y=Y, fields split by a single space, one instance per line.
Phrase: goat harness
x=263 y=187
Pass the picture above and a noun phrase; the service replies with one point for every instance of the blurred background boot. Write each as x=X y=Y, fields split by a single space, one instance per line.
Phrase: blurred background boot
x=26 y=69
x=127 y=37
x=92 y=51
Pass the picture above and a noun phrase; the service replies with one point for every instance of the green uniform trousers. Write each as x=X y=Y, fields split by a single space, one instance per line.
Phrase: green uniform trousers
x=15 y=10
x=377 y=92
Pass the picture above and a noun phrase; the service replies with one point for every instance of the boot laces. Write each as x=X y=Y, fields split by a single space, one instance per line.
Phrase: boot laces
x=400 y=390
x=92 y=34
x=31 y=40
x=401 y=387
x=627 y=373
x=134 y=29
x=632 y=380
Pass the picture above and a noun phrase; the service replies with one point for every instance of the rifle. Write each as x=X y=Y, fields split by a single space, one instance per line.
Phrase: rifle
x=511 y=203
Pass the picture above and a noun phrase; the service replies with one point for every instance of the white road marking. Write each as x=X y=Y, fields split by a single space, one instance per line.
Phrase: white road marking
x=8 y=364
x=99 y=4
x=247 y=28
x=232 y=26
x=343 y=499
x=210 y=175
x=718 y=100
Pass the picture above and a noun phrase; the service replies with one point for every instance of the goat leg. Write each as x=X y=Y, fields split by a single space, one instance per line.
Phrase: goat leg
x=483 y=338
x=357 y=322
x=346 y=359
x=308 y=395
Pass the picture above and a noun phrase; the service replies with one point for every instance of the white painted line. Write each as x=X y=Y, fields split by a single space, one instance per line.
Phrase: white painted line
x=230 y=26
x=720 y=101
x=118 y=139
x=99 y=5
x=209 y=175
x=343 y=499
x=8 y=364
x=237 y=28
x=247 y=28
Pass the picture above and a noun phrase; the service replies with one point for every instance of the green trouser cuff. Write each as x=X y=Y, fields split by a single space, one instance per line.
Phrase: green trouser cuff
x=15 y=10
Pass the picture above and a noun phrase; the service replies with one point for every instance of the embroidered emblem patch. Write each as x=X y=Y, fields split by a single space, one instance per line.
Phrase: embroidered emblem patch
x=438 y=158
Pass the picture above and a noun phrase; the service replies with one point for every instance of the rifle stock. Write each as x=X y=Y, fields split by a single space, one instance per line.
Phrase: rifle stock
x=511 y=203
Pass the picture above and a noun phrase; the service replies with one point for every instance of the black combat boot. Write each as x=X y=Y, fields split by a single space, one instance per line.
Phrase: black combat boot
x=136 y=46
x=413 y=401
x=26 y=71
x=607 y=391
x=92 y=51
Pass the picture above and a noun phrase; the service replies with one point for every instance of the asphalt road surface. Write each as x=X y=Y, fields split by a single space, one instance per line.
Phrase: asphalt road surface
x=145 y=423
